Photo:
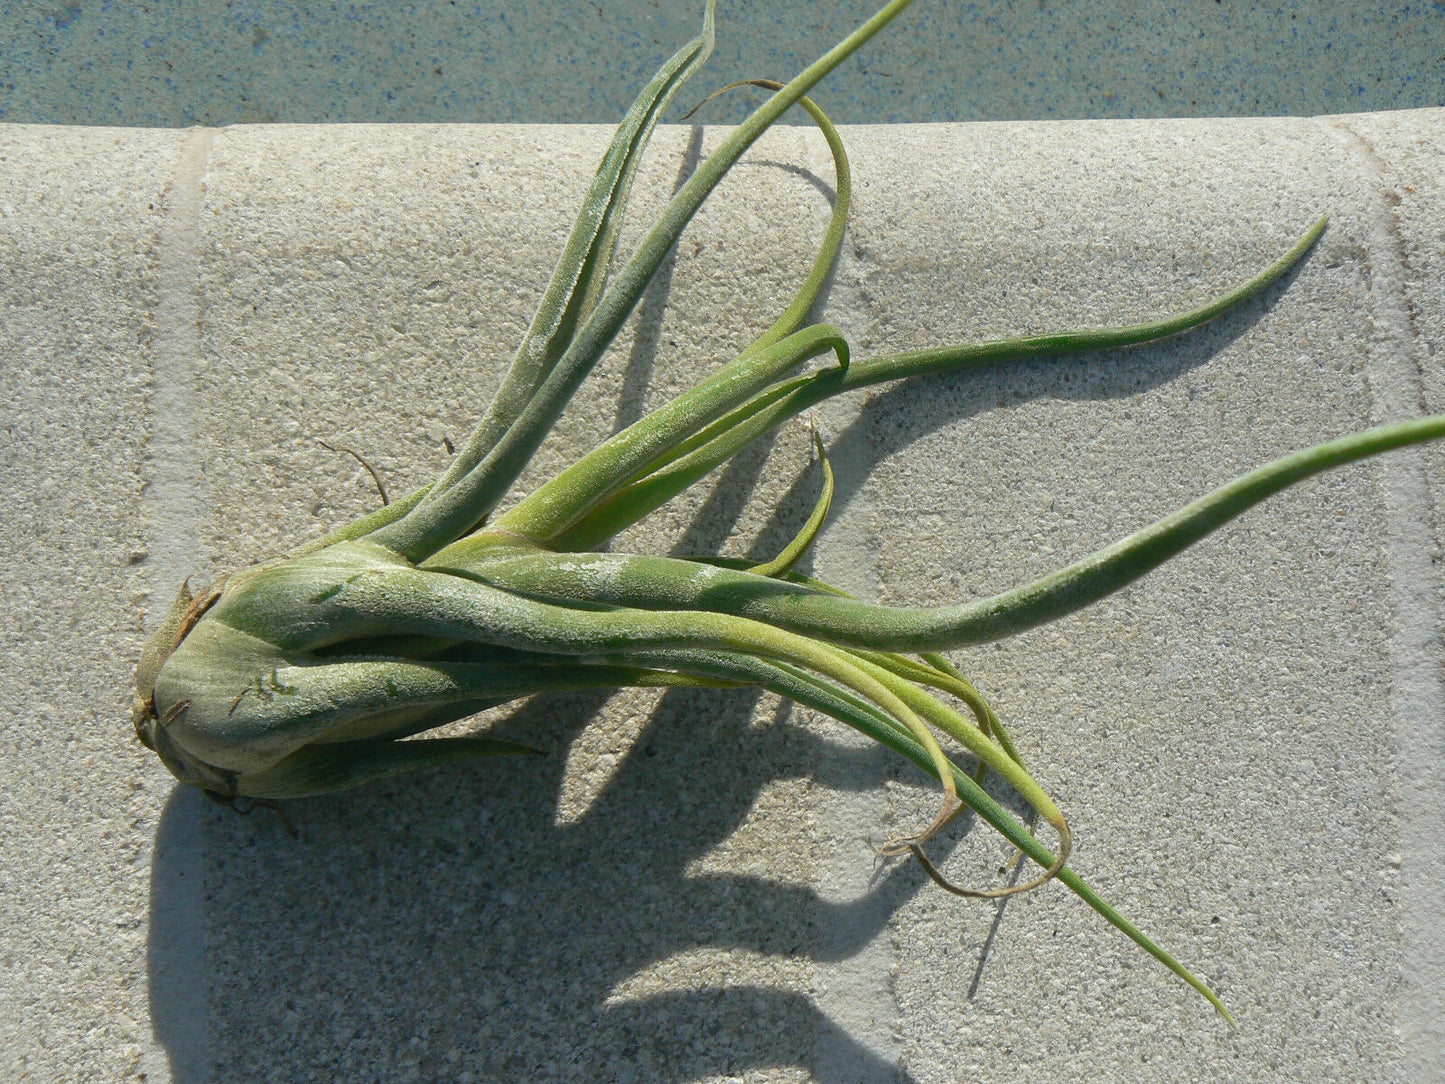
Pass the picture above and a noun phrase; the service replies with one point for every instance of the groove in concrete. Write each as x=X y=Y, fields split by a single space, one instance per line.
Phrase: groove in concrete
x=175 y=507
x=1418 y=695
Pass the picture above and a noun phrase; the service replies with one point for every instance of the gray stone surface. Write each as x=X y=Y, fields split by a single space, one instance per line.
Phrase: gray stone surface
x=1248 y=744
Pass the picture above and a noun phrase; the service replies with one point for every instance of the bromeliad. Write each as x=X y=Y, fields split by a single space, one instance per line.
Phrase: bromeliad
x=323 y=669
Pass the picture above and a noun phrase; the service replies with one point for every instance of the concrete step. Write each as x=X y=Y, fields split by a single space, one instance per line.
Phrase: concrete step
x=1247 y=743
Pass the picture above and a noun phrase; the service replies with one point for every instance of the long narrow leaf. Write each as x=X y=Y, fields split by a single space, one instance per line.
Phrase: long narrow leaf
x=812 y=691
x=581 y=275
x=693 y=459
x=446 y=515
x=670 y=583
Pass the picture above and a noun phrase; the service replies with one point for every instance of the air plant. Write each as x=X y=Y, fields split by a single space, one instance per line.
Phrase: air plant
x=320 y=670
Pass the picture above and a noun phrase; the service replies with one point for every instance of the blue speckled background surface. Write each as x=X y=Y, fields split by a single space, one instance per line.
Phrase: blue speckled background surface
x=217 y=62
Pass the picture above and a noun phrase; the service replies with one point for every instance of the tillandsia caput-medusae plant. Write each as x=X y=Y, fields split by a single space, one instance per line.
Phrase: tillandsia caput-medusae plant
x=326 y=668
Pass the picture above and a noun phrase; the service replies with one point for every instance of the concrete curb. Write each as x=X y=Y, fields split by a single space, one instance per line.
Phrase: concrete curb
x=1248 y=744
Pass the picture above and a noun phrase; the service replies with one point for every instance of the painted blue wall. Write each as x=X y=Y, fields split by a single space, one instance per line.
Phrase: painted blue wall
x=182 y=62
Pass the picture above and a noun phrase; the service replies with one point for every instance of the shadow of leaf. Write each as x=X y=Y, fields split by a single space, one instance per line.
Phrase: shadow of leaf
x=447 y=927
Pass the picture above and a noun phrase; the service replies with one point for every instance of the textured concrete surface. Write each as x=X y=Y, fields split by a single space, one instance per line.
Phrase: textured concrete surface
x=217 y=62
x=1248 y=744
